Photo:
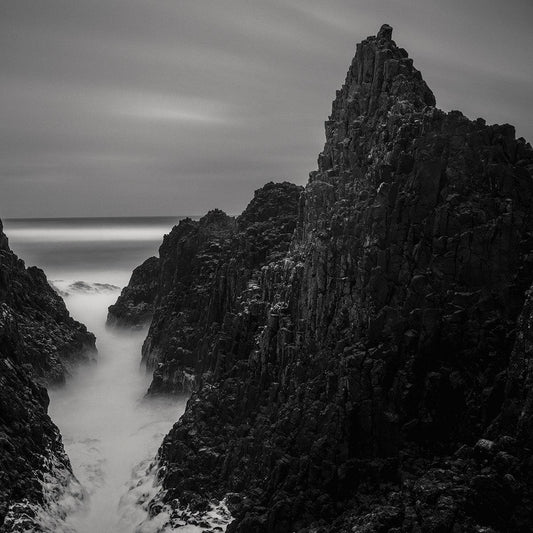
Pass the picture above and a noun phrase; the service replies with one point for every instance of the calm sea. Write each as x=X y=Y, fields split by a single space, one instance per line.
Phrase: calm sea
x=103 y=250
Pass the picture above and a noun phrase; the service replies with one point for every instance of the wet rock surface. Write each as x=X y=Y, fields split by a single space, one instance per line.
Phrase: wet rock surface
x=39 y=342
x=376 y=377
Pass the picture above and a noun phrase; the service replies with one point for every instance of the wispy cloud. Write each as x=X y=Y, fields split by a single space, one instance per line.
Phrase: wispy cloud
x=175 y=107
x=165 y=108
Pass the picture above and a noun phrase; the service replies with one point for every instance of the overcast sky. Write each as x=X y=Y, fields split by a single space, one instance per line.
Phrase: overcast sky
x=173 y=107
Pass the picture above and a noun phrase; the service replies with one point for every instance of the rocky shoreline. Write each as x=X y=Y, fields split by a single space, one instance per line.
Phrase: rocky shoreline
x=366 y=368
x=39 y=343
x=358 y=351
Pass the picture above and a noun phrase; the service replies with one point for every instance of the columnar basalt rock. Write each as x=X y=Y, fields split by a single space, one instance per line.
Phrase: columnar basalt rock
x=367 y=380
x=191 y=258
x=39 y=343
x=203 y=268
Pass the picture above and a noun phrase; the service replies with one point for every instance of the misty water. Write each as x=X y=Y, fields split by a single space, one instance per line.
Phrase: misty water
x=111 y=430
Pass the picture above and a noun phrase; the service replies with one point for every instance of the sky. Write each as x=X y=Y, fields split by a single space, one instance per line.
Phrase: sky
x=174 y=107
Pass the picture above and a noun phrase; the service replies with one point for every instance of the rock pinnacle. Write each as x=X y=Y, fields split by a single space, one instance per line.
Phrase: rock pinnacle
x=385 y=32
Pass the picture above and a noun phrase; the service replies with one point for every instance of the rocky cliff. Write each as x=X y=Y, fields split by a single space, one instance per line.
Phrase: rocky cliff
x=203 y=268
x=52 y=341
x=39 y=342
x=377 y=377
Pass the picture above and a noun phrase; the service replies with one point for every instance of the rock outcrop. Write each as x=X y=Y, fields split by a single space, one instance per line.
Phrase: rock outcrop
x=203 y=268
x=53 y=342
x=135 y=305
x=377 y=377
x=39 y=342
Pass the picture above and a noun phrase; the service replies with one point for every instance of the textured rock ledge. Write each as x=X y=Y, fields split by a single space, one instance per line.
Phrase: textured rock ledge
x=39 y=342
x=376 y=378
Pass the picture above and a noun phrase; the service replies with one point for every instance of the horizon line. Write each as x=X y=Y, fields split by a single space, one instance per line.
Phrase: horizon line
x=100 y=217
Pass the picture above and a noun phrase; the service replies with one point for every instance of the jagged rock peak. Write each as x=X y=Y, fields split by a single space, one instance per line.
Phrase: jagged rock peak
x=383 y=97
x=273 y=201
x=381 y=75
x=216 y=217
x=385 y=32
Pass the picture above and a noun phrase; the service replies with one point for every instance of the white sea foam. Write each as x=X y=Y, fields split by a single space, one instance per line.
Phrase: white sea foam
x=145 y=487
x=111 y=430
x=63 y=495
x=183 y=520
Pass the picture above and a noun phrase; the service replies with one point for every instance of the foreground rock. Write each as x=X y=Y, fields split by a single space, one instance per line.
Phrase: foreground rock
x=377 y=377
x=39 y=342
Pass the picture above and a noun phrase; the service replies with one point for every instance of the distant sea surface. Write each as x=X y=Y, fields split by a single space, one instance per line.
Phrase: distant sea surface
x=103 y=250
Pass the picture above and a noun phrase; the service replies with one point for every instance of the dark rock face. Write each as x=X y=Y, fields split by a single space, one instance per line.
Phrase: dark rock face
x=204 y=267
x=53 y=341
x=192 y=259
x=39 y=341
x=375 y=378
x=30 y=444
x=135 y=305
x=517 y=414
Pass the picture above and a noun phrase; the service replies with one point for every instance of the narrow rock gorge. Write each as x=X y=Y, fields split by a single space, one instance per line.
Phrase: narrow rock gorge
x=39 y=344
x=360 y=352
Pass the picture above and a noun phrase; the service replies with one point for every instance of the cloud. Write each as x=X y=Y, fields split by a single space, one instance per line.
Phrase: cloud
x=113 y=107
x=164 y=108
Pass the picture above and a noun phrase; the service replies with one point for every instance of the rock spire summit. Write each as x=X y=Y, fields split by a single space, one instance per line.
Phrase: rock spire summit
x=385 y=32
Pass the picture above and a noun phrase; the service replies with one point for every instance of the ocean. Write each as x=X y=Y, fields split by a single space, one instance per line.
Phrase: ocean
x=111 y=431
x=103 y=250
